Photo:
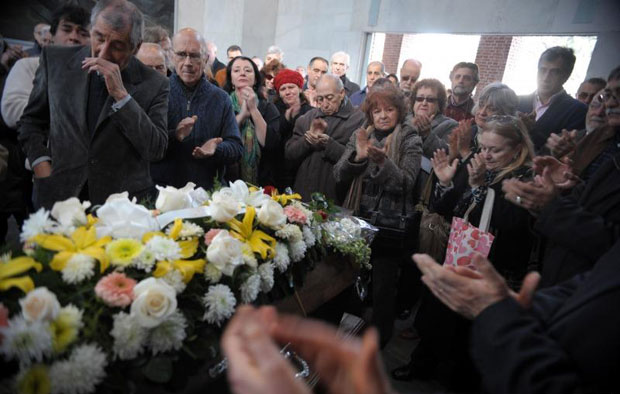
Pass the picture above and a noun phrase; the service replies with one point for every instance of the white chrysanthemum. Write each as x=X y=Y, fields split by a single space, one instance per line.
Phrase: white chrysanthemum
x=266 y=276
x=81 y=373
x=37 y=223
x=25 y=341
x=72 y=315
x=351 y=227
x=188 y=230
x=164 y=248
x=146 y=260
x=78 y=268
x=169 y=335
x=290 y=232
x=212 y=273
x=219 y=304
x=297 y=250
x=175 y=279
x=129 y=336
x=309 y=238
x=281 y=260
x=250 y=288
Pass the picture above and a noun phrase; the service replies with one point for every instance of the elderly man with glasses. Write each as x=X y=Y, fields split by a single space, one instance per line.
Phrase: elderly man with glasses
x=202 y=131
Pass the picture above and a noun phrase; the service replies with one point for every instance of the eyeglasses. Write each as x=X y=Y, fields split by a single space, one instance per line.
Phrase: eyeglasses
x=329 y=97
x=430 y=100
x=268 y=77
x=193 y=57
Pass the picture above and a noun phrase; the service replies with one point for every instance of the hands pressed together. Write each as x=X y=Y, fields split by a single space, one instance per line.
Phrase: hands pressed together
x=316 y=136
x=252 y=342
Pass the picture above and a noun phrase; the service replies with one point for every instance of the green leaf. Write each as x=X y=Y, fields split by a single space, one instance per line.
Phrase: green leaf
x=158 y=370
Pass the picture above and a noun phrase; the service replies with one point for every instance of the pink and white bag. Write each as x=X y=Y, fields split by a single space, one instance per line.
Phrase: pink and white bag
x=465 y=239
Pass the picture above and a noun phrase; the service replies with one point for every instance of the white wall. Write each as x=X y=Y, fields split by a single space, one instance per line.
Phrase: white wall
x=304 y=29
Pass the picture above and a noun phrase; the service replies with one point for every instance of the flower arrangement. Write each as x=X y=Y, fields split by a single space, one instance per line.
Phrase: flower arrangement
x=121 y=288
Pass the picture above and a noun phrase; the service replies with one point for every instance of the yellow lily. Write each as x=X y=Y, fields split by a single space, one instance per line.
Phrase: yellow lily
x=188 y=246
x=283 y=199
x=18 y=266
x=83 y=241
x=258 y=241
x=187 y=268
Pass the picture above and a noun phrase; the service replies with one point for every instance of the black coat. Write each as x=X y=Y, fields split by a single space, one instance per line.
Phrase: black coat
x=582 y=226
x=349 y=86
x=567 y=343
x=564 y=113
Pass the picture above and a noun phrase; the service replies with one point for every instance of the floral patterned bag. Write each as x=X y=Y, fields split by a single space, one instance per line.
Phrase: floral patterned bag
x=465 y=239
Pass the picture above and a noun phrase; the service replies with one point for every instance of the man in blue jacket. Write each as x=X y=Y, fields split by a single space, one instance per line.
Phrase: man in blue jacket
x=202 y=131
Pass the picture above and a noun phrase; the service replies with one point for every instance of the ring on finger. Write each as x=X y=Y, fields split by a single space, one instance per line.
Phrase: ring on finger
x=518 y=200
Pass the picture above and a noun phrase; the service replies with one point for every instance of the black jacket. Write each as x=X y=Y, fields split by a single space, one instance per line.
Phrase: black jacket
x=567 y=343
x=349 y=87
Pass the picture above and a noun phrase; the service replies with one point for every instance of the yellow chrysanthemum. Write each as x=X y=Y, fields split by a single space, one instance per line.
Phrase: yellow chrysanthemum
x=35 y=381
x=122 y=251
x=65 y=330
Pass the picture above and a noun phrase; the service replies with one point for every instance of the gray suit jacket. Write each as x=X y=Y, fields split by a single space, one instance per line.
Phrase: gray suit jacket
x=113 y=158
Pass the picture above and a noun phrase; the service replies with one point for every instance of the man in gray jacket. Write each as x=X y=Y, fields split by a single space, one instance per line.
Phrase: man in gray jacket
x=96 y=116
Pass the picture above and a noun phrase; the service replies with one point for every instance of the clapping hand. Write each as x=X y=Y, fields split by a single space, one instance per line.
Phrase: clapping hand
x=459 y=140
x=422 y=123
x=11 y=55
x=111 y=74
x=207 y=149
x=361 y=145
x=316 y=135
x=377 y=155
x=560 y=172
x=292 y=111
x=562 y=144
x=477 y=171
x=185 y=127
x=444 y=170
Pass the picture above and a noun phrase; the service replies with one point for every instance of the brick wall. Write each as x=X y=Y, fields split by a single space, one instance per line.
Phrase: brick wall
x=491 y=59
x=391 y=52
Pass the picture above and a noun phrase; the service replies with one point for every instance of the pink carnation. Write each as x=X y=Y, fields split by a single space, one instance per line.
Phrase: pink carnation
x=211 y=234
x=295 y=215
x=115 y=289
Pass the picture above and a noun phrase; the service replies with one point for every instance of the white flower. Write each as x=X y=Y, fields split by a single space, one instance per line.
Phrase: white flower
x=25 y=341
x=309 y=237
x=219 y=304
x=266 y=277
x=78 y=268
x=72 y=315
x=146 y=260
x=120 y=218
x=316 y=230
x=40 y=305
x=70 y=214
x=281 y=260
x=188 y=230
x=225 y=252
x=169 y=335
x=224 y=205
x=129 y=336
x=155 y=301
x=250 y=288
x=212 y=273
x=119 y=196
x=37 y=223
x=170 y=198
x=271 y=214
x=164 y=248
x=81 y=373
x=290 y=232
x=175 y=279
x=351 y=227
x=297 y=250
x=243 y=194
x=199 y=196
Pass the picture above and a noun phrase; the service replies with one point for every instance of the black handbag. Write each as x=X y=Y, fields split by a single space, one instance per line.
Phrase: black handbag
x=397 y=228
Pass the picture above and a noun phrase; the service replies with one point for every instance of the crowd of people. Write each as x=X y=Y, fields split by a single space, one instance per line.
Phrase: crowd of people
x=111 y=106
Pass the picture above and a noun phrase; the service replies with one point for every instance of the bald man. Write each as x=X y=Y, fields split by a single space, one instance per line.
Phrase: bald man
x=153 y=56
x=319 y=139
x=409 y=74
x=203 y=136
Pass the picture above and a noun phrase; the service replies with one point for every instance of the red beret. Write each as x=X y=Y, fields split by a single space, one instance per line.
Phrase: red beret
x=288 y=76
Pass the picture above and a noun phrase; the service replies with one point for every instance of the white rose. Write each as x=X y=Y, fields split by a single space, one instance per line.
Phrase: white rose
x=170 y=198
x=70 y=214
x=225 y=253
x=271 y=214
x=120 y=218
x=119 y=196
x=223 y=206
x=199 y=196
x=155 y=301
x=243 y=194
x=40 y=305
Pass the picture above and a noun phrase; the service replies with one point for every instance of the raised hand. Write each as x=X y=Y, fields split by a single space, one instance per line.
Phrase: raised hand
x=560 y=172
x=249 y=98
x=292 y=111
x=207 y=149
x=477 y=171
x=422 y=123
x=111 y=74
x=361 y=145
x=377 y=155
x=562 y=144
x=464 y=137
x=185 y=127
x=444 y=170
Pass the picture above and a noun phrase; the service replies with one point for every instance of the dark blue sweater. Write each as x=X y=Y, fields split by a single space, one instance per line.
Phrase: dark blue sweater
x=216 y=118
